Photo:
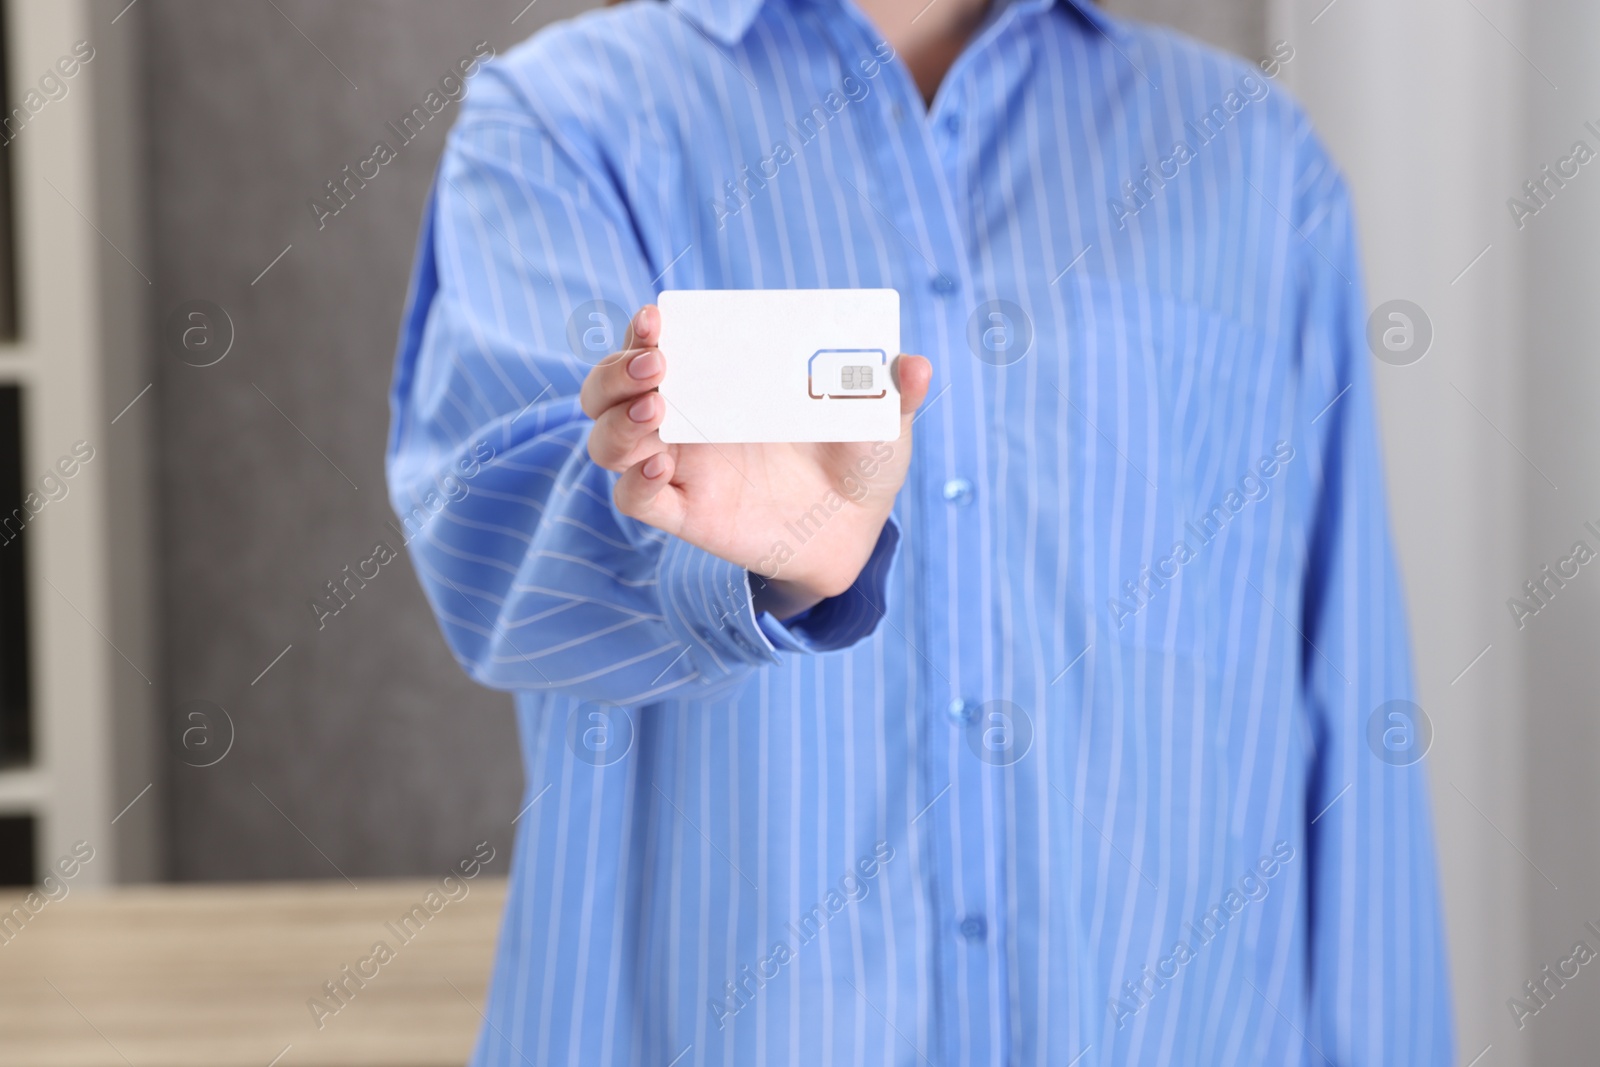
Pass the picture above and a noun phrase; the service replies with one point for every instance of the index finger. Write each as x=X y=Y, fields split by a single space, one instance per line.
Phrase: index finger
x=616 y=378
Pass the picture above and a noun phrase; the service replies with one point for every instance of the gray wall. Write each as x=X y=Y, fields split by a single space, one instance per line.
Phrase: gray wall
x=1240 y=26
x=365 y=734
x=1563 y=390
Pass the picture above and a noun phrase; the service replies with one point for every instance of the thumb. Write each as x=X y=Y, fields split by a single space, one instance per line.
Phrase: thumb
x=912 y=375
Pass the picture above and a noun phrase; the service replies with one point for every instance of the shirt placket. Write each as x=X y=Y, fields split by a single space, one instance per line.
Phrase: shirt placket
x=916 y=171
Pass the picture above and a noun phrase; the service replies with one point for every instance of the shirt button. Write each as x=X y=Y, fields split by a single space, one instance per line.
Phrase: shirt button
x=952 y=124
x=943 y=284
x=961 y=711
x=958 y=491
x=973 y=928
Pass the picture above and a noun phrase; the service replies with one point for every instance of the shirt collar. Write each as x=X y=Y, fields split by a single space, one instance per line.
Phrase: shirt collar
x=728 y=20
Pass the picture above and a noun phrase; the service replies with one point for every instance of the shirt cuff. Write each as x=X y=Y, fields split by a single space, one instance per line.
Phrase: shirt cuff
x=841 y=621
x=708 y=607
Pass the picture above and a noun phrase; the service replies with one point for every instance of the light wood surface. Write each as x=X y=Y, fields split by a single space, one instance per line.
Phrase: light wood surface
x=216 y=976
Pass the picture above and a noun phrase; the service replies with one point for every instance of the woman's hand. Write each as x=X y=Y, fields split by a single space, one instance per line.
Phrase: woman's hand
x=805 y=517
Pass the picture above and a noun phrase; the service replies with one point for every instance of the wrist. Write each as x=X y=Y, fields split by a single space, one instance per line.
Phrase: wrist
x=782 y=599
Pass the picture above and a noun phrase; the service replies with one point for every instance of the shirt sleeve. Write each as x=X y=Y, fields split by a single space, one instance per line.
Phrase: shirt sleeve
x=840 y=621
x=537 y=580
x=1380 y=989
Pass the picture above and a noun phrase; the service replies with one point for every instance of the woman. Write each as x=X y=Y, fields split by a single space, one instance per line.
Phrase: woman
x=1027 y=752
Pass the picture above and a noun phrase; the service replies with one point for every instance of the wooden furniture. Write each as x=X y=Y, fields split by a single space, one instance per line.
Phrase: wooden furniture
x=212 y=976
x=82 y=360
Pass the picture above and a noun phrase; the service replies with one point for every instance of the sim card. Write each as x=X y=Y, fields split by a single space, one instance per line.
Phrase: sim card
x=772 y=365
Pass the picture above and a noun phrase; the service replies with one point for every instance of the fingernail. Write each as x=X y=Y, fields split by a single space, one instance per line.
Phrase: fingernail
x=655 y=466
x=645 y=365
x=642 y=409
x=643 y=320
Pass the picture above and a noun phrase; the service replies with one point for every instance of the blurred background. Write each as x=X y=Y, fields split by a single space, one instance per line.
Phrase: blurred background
x=193 y=406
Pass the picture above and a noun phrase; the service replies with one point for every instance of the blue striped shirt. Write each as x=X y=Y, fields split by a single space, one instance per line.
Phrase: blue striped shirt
x=1097 y=762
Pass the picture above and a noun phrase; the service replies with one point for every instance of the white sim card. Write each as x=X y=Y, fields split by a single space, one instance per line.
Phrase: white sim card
x=770 y=365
